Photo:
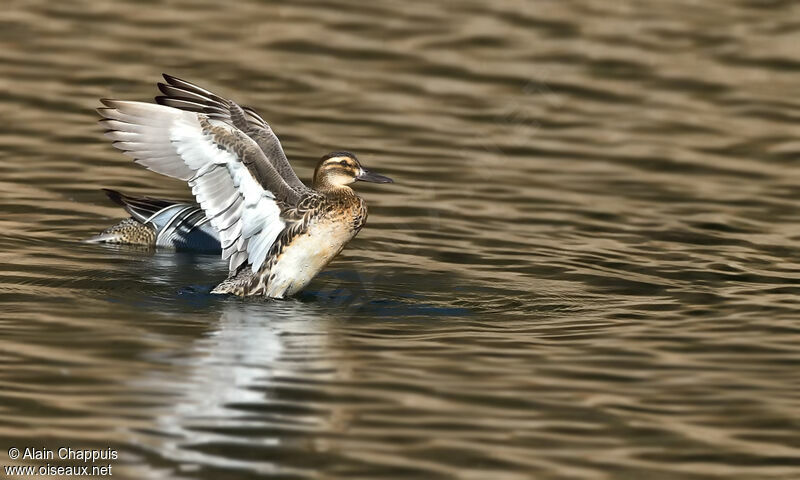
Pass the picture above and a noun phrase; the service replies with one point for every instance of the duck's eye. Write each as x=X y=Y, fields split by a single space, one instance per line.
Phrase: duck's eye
x=344 y=163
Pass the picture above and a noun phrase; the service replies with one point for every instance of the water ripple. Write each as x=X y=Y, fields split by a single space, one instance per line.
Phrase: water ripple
x=586 y=269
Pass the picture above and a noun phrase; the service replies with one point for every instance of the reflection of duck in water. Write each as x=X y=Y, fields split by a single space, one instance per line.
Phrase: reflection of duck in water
x=233 y=383
x=276 y=232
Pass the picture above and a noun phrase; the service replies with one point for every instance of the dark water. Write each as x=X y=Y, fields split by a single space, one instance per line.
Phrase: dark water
x=587 y=268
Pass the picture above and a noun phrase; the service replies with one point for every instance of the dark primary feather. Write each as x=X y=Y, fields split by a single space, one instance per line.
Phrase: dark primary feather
x=188 y=96
x=140 y=208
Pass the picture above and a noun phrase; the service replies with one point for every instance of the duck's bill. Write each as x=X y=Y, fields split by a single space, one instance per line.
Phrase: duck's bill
x=367 y=176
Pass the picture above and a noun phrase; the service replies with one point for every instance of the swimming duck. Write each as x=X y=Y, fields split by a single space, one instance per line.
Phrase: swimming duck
x=275 y=232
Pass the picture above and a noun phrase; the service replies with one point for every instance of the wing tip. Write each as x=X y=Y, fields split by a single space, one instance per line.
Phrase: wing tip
x=114 y=196
x=161 y=99
x=109 y=102
x=108 y=123
x=163 y=88
x=181 y=103
x=118 y=144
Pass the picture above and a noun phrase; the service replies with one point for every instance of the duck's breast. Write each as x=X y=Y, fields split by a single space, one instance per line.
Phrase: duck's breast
x=306 y=255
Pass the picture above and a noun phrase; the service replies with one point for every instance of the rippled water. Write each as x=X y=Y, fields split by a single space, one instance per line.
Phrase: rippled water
x=587 y=268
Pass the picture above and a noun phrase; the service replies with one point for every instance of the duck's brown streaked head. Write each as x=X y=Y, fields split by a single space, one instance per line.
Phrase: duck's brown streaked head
x=340 y=169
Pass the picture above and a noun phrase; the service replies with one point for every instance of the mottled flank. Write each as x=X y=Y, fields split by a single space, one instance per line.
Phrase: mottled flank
x=127 y=232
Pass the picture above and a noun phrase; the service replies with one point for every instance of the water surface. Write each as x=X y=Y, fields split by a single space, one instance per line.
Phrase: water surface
x=587 y=267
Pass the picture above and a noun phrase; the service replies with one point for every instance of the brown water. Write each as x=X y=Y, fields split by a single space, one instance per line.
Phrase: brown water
x=587 y=268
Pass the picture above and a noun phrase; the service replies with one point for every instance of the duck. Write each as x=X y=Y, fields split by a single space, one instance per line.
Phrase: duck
x=275 y=232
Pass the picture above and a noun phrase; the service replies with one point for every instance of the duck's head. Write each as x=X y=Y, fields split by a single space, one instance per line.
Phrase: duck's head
x=340 y=169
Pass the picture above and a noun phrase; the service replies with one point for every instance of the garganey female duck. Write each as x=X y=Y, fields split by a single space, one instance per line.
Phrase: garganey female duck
x=276 y=233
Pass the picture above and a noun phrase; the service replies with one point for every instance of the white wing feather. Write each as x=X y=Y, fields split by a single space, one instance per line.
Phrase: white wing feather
x=172 y=142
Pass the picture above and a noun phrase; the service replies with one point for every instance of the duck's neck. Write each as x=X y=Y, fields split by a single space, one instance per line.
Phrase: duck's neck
x=332 y=190
x=340 y=197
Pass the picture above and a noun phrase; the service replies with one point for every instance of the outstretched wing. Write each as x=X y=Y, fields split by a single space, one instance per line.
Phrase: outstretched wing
x=219 y=162
x=187 y=96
